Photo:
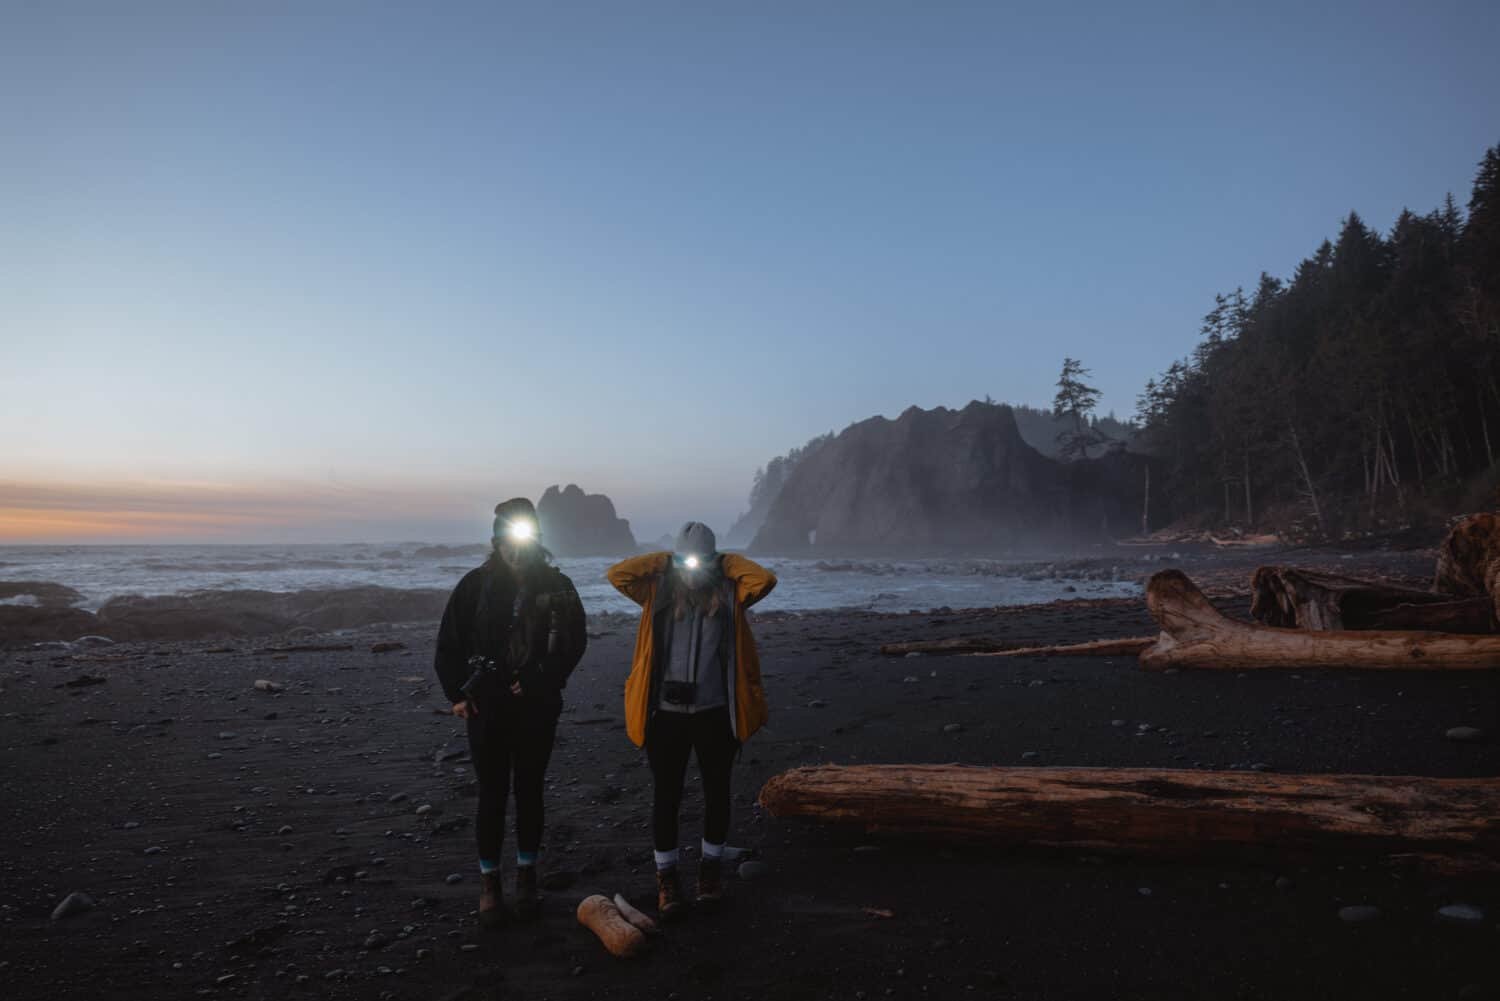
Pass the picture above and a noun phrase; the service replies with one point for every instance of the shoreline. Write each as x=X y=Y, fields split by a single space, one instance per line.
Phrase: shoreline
x=48 y=612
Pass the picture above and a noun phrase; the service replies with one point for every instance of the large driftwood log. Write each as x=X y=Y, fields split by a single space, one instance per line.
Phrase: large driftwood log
x=1292 y=598
x=1164 y=812
x=1195 y=634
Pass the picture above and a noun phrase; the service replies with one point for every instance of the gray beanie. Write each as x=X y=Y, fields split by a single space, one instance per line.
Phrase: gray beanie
x=695 y=539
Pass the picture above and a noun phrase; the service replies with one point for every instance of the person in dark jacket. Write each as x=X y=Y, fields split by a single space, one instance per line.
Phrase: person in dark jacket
x=513 y=631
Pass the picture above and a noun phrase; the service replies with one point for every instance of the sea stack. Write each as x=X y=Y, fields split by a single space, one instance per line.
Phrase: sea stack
x=578 y=524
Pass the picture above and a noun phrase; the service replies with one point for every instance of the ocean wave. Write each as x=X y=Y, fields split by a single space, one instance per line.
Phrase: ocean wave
x=244 y=566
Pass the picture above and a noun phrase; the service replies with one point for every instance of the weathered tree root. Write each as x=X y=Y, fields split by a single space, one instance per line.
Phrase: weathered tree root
x=1196 y=635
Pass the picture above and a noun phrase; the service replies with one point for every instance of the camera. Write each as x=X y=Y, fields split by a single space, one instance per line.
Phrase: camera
x=480 y=666
x=679 y=693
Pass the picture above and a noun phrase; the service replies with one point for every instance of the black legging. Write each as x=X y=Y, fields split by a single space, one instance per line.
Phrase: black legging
x=511 y=735
x=673 y=737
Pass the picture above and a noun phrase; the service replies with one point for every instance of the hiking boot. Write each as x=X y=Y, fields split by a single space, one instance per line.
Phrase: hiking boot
x=492 y=910
x=710 y=880
x=669 y=902
x=528 y=900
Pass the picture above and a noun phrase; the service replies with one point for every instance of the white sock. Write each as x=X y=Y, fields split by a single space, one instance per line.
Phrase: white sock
x=666 y=860
x=711 y=850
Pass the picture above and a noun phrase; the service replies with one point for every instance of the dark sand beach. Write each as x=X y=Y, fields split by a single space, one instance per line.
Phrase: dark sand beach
x=246 y=844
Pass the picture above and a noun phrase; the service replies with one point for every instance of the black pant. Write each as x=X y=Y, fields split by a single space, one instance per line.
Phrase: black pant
x=511 y=736
x=672 y=738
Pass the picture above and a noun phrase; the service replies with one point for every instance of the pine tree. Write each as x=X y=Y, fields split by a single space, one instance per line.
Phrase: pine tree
x=1075 y=400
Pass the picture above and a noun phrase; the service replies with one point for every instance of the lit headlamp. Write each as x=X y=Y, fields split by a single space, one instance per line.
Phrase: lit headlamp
x=691 y=562
x=520 y=530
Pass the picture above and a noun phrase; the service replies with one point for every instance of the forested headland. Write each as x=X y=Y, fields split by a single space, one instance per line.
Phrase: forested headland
x=1361 y=394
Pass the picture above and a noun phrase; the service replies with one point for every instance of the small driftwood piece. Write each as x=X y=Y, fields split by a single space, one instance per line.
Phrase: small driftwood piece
x=1129 y=645
x=1194 y=634
x=601 y=916
x=1159 y=812
x=948 y=646
x=1292 y=598
x=1125 y=646
x=1246 y=542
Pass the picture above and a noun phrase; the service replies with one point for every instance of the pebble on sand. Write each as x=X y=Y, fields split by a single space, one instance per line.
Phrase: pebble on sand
x=389 y=646
x=73 y=903
x=1356 y=914
x=1460 y=914
x=952 y=727
x=1465 y=733
x=753 y=870
x=263 y=685
x=453 y=878
x=424 y=809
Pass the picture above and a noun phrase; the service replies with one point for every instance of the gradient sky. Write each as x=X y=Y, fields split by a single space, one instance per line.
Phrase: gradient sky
x=355 y=272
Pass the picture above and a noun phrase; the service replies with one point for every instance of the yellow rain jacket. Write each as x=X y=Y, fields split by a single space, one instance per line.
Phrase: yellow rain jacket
x=639 y=579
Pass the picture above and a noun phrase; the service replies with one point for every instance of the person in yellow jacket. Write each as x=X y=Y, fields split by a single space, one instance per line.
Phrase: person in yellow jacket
x=694 y=688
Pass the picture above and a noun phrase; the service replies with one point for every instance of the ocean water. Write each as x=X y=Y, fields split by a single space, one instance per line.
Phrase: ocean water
x=104 y=572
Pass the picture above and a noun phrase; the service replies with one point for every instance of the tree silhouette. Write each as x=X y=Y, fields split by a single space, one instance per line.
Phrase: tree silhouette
x=1075 y=401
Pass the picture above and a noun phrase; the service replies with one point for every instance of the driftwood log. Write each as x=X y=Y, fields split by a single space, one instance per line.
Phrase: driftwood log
x=601 y=916
x=1468 y=563
x=1125 y=646
x=1195 y=634
x=1291 y=598
x=1161 y=812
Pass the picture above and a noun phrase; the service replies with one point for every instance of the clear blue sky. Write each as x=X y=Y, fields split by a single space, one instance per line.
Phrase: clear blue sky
x=358 y=273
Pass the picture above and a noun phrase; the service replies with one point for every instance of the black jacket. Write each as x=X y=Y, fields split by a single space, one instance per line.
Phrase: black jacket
x=478 y=621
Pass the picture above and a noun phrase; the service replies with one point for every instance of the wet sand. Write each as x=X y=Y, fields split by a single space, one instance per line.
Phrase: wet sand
x=245 y=844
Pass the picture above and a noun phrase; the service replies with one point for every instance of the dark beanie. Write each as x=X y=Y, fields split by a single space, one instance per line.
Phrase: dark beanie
x=508 y=511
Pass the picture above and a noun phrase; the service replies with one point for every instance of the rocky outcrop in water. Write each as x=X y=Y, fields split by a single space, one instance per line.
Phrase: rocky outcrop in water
x=578 y=524
x=941 y=481
x=220 y=613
